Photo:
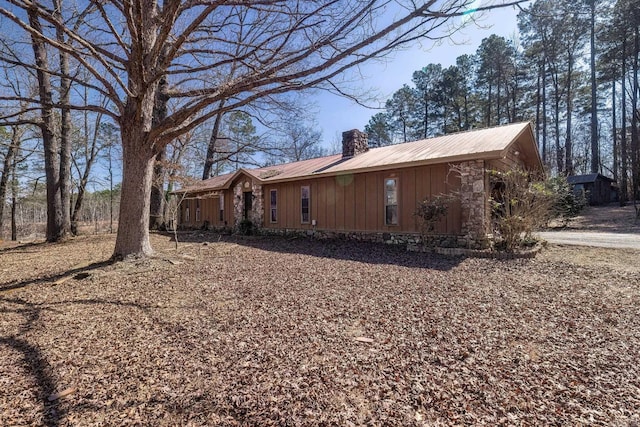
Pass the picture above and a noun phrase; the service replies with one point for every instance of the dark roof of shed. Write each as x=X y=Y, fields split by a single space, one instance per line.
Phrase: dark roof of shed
x=587 y=178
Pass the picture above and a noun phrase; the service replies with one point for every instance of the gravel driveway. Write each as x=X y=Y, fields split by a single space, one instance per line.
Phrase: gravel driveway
x=598 y=239
x=609 y=226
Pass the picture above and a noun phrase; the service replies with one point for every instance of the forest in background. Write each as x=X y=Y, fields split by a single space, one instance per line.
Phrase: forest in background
x=573 y=71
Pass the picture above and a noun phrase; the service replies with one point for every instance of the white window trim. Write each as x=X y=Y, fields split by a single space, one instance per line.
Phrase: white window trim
x=386 y=205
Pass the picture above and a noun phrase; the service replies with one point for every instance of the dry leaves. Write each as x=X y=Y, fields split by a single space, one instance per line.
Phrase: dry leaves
x=276 y=332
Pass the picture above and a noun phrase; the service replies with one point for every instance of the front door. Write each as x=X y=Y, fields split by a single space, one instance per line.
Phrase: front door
x=248 y=199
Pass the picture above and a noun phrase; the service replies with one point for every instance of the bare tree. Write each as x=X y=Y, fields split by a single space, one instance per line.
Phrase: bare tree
x=276 y=46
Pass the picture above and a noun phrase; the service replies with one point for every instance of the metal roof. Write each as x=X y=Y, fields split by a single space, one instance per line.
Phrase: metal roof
x=486 y=144
x=587 y=178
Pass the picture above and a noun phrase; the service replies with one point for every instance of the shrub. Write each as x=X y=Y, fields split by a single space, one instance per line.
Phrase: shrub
x=245 y=227
x=567 y=203
x=429 y=212
x=520 y=203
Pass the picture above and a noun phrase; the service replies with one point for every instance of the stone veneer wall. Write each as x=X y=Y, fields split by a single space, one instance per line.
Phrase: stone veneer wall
x=475 y=214
x=238 y=204
x=257 y=206
x=256 y=216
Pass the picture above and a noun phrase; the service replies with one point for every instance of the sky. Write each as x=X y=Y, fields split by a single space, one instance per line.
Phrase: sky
x=336 y=114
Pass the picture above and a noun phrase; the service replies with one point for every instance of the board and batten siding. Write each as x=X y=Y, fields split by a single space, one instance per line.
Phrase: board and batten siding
x=209 y=211
x=355 y=202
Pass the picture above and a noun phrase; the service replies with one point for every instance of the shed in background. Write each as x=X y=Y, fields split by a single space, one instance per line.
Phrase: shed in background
x=598 y=189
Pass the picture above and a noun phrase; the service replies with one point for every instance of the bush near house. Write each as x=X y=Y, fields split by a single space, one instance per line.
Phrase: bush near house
x=523 y=202
x=429 y=212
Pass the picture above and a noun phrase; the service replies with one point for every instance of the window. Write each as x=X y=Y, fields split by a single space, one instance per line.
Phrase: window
x=274 y=205
x=391 y=201
x=197 y=210
x=186 y=214
x=221 y=207
x=305 y=202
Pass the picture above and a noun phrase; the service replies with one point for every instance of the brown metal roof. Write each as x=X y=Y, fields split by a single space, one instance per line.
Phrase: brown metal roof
x=478 y=144
x=490 y=143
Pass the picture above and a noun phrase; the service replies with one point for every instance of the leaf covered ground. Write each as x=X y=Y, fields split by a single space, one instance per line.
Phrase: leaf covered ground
x=268 y=331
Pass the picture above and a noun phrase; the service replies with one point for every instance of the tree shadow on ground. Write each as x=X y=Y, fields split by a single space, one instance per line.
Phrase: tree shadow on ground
x=31 y=247
x=338 y=249
x=34 y=361
x=80 y=272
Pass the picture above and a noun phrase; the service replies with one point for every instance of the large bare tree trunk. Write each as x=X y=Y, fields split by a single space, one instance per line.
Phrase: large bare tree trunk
x=133 y=229
x=55 y=220
x=65 y=127
x=138 y=150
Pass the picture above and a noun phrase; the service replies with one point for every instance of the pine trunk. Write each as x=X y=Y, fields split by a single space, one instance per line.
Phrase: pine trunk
x=624 y=196
x=595 y=149
x=211 y=149
x=568 y=145
x=635 y=167
x=615 y=133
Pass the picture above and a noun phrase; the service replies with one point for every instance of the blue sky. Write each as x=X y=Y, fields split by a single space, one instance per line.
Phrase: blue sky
x=337 y=114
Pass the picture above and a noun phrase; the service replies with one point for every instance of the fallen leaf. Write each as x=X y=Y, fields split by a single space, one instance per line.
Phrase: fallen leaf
x=63 y=393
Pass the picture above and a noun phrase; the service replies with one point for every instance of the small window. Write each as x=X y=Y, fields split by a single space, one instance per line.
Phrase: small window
x=186 y=214
x=391 y=201
x=197 y=210
x=274 y=205
x=221 y=208
x=305 y=203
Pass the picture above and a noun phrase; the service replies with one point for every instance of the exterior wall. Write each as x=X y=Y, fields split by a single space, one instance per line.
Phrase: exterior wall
x=355 y=202
x=209 y=211
x=598 y=192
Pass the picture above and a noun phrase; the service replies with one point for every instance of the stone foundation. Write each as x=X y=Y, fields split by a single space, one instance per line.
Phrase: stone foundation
x=413 y=241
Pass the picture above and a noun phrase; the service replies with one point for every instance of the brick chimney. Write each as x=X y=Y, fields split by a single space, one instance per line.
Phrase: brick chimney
x=354 y=142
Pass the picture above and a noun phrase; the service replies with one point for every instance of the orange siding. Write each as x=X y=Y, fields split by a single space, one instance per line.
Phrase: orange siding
x=356 y=202
x=371 y=207
x=360 y=201
x=330 y=188
x=408 y=207
x=347 y=183
x=339 y=205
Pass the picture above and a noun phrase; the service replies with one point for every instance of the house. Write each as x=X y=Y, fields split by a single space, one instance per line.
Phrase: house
x=598 y=188
x=368 y=193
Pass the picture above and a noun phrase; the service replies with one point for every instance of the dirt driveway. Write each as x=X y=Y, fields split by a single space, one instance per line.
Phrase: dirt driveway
x=608 y=226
